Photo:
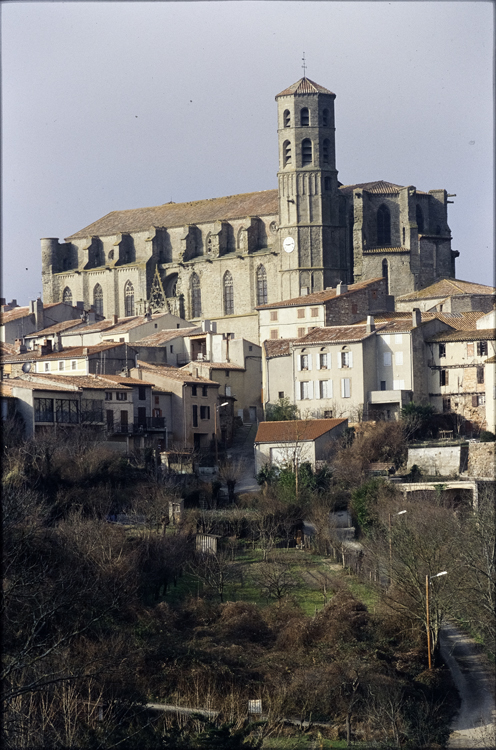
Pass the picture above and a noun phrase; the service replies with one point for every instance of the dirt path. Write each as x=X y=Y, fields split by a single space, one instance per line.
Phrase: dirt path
x=474 y=726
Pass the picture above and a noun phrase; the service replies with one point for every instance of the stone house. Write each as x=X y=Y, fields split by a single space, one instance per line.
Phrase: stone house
x=296 y=441
x=17 y=322
x=344 y=305
x=449 y=295
x=255 y=248
x=100 y=359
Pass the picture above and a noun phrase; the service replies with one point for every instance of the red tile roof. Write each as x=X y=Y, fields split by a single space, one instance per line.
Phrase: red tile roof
x=68 y=352
x=331 y=334
x=295 y=430
x=162 y=337
x=277 y=347
x=317 y=298
x=448 y=288
x=76 y=382
x=305 y=86
x=174 y=373
x=481 y=334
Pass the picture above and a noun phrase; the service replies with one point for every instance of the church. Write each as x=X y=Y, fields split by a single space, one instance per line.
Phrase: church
x=220 y=258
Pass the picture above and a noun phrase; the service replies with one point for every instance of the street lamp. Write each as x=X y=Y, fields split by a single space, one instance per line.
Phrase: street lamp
x=219 y=406
x=400 y=513
x=427 y=580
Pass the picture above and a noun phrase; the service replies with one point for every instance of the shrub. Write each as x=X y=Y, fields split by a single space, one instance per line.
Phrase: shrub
x=487 y=437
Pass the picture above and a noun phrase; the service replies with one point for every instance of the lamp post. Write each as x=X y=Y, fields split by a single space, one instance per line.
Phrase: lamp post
x=218 y=406
x=400 y=513
x=427 y=581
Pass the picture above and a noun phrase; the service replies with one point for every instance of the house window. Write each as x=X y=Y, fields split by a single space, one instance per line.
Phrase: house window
x=98 y=299
x=304 y=117
x=482 y=348
x=304 y=361
x=273 y=314
x=157 y=399
x=141 y=392
x=345 y=359
x=195 y=296
x=204 y=412
x=387 y=359
x=314 y=312
x=261 y=285
x=301 y=312
x=171 y=348
x=323 y=360
x=228 y=294
x=306 y=152
x=280 y=394
x=274 y=333
x=66 y=411
x=383 y=385
x=204 y=390
x=325 y=151
x=61 y=365
x=480 y=374
x=446 y=404
x=325 y=388
x=47 y=366
x=121 y=396
x=481 y=399
x=443 y=377
x=108 y=395
x=383 y=225
x=286 y=150
x=128 y=299
x=442 y=350
x=287 y=118
x=195 y=415
x=305 y=390
x=328 y=413
x=43 y=410
x=345 y=388
x=193 y=390
x=301 y=332
x=228 y=390
x=398 y=338
x=74 y=364
x=67 y=296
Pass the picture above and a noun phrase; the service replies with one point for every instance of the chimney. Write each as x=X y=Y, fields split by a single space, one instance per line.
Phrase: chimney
x=57 y=344
x=86 y=351
x=91 y=316
x=80 y=305
x=205 y=326
x=416 y=317
x=20 y=346
x=341 y=288
x=115 y=320
x=304 y=291
x=370 y=324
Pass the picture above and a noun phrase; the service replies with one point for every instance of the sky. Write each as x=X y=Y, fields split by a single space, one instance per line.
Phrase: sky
x=111 y=106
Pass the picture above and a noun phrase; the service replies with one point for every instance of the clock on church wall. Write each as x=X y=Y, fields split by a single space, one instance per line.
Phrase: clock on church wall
x=289 y=244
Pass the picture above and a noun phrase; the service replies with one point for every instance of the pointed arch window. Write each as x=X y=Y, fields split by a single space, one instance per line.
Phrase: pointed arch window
x=383 y=225
x=306 y=152
x=128 y=300
x=228 y=294
x=98 y=299
x=326 y=150
x=420 y=219
x=385 y=273
x=261 y=285
x=287 y=118
x=67 y=296
x=304 y=117
x=196 y=308
x=286 y=152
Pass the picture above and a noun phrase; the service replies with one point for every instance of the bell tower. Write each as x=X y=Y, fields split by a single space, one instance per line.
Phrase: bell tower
x=311 y=227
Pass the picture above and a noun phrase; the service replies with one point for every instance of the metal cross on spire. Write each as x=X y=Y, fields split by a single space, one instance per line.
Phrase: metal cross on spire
x=304 y=66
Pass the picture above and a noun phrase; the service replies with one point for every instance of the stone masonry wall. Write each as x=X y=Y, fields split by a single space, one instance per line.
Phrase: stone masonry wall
x=481 y=460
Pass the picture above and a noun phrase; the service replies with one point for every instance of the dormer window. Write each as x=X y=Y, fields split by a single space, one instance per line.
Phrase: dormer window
x=287 y=118
x=304 y=117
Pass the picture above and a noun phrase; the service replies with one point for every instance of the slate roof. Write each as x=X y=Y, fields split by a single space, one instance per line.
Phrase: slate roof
x=305 y=86
x=162 y=337
x=318 y=298
x=295 y=430
x=480 y=334
x=261 y=203
x=277 y=347
x=447 y=288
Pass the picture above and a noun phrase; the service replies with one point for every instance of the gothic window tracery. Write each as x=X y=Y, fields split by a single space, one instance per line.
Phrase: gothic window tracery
x=128 y=299
x=306 y=152
x=195 y=296
x=261 y=285
x=98 y=299
x=228 y=294
x=67 y=295
x=383 y=225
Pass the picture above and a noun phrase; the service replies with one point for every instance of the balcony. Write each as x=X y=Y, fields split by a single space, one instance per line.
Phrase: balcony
x=390 y=397
x=151 y=424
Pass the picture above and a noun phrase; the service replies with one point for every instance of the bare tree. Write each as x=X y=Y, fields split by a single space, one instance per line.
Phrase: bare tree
x=275 y=580
x=214 y=570
x=230 y=472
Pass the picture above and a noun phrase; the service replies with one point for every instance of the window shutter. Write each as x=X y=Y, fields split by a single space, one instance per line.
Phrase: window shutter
x=339 y=360
x=317 y=361
x=350 y=359
x=446 y=377
x=310 y=389
x=398 y=358
x=298 y=362
x=309 y=361
x=298 y=390
x=387 y=359
x=329 y=389
x=396 y=386
x=328 y=360
x=474 y=401
x=317 y=389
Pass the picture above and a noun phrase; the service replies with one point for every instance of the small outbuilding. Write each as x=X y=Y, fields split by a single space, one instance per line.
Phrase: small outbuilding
x=296 y=441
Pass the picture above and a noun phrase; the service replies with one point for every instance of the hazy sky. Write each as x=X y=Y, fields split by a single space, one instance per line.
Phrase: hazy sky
x=110 y=106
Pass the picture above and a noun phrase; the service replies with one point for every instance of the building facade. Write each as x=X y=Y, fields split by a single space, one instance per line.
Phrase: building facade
x=220 y=258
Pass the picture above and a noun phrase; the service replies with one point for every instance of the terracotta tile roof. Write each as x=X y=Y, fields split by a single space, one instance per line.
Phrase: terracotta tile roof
x=6 y=349
x=464 y=321
x=261 y=203
x=174 y=373
x=394 y=322
x=385 y=250
x=222 y=366
x=480 y=334
x=15 y=314
x=448 y=288
x=75 y=382
x=5 y=389
x=331 y=334
x=68 y=352
x=56 y=328
x=277 y=347
x=127 y=324
x=318 y=298
x=124 y=380
x=298 y=429
x=305 y=86
x=380 y=186
x=39 y=386
x=162 y=337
